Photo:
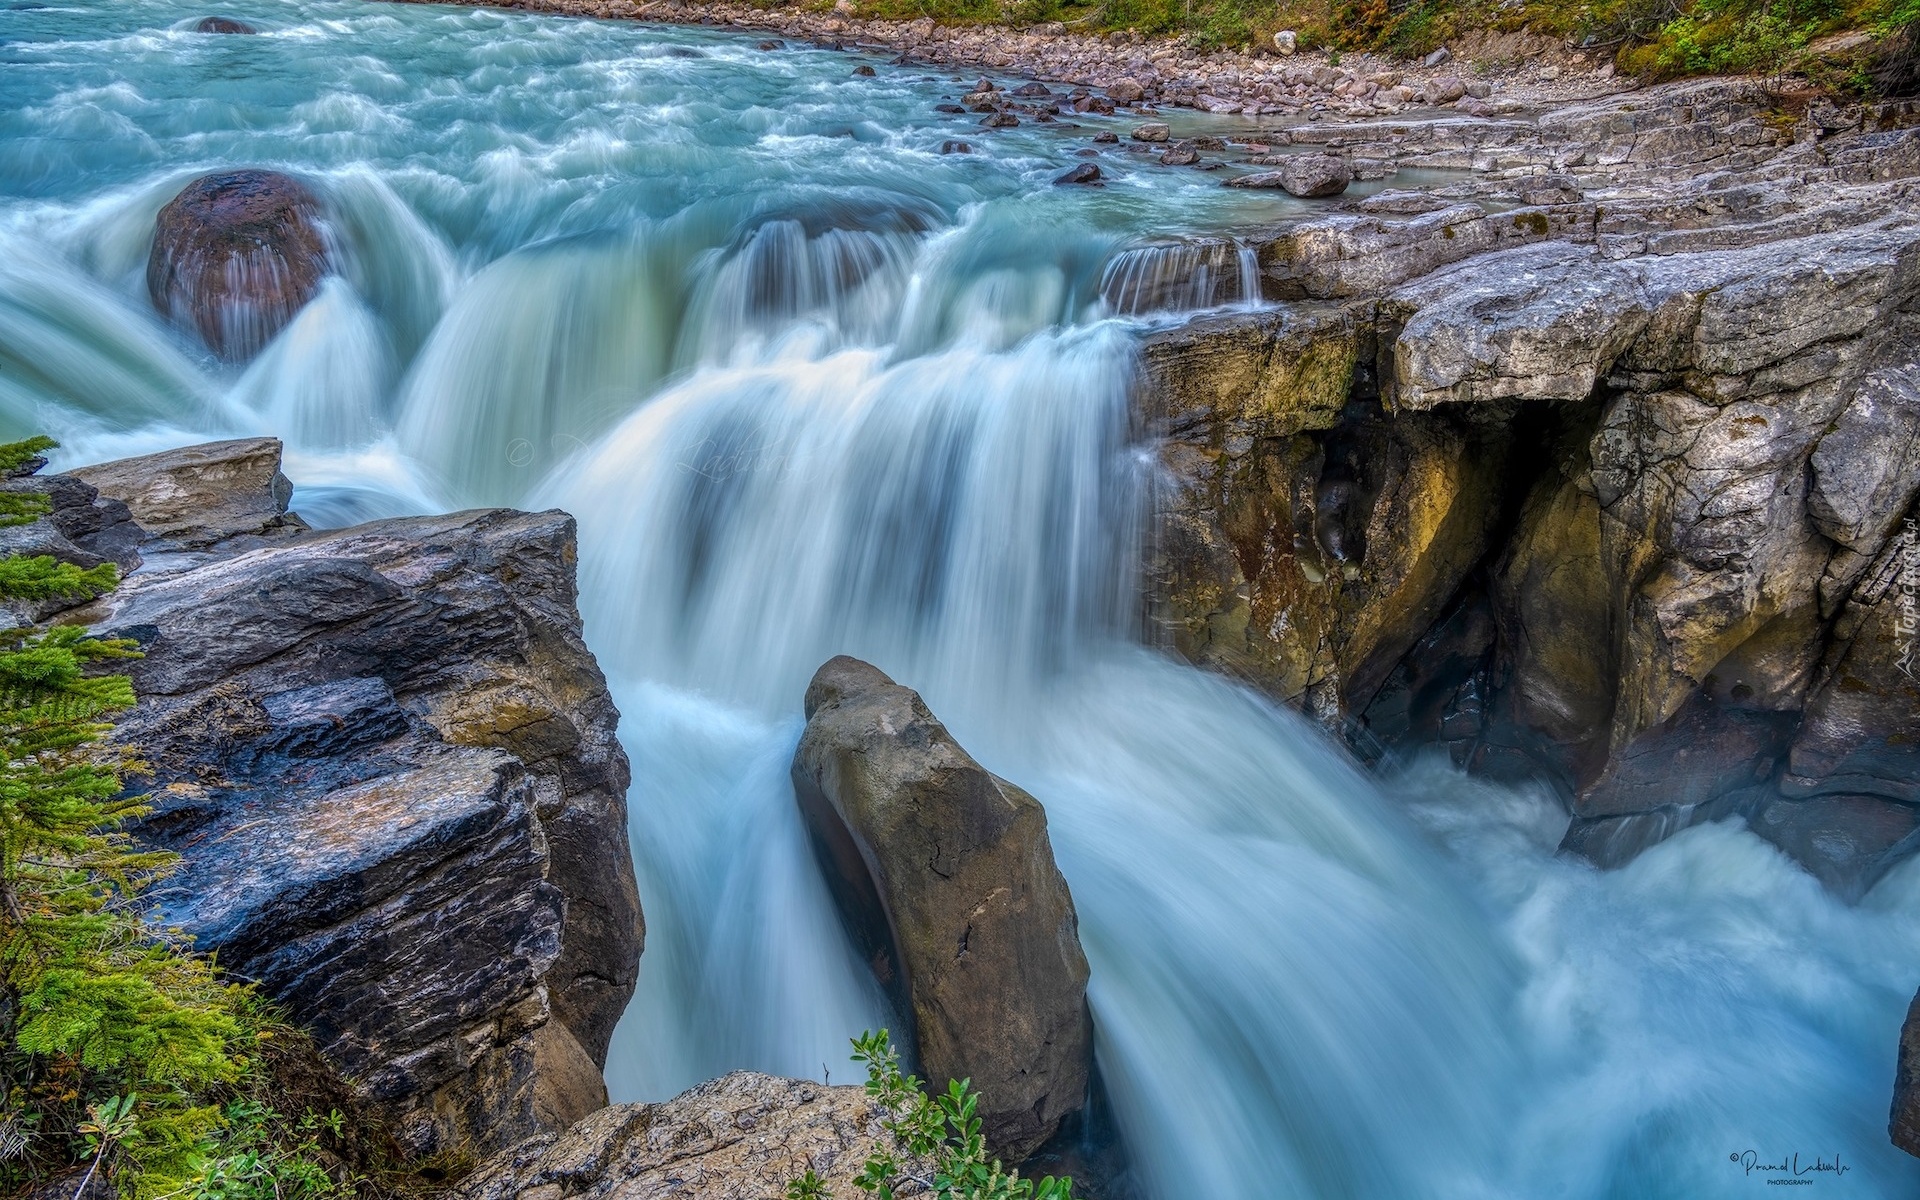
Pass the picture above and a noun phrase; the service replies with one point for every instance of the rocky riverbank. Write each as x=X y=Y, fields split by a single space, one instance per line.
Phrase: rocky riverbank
x=1484 y=74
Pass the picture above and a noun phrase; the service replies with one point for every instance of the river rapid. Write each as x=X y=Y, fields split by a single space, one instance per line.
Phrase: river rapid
x=812 y=387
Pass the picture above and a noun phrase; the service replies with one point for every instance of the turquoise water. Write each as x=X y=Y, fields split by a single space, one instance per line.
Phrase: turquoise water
x=813 y=388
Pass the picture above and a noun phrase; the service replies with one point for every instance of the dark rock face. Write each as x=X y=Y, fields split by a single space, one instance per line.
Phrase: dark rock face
x=1905 y=1123
x=740 y=1136
x=388 y=763
x=222 y=25
x=946 y=877
x=235 y=255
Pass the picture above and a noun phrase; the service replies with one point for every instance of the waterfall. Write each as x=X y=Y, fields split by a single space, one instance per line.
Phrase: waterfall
x=813 y=388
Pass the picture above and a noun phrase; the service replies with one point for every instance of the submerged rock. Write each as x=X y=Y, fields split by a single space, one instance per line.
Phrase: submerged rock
x=235 y=255
x=388 y=763
x=743 y=1136
x=945 y=875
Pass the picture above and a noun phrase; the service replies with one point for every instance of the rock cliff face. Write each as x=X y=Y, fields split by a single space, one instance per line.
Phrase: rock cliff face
x=740 y=1137
x=1614 y=487
x=388 y=763
x=944 y=873
x=1905 y=1123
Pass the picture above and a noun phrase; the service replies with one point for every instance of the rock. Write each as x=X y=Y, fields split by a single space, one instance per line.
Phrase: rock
x=772 y=44
x=999 y=120
x=1846 y=842
x=742 y=1135
x=863 y=71
x=1030 y=90
x=953 y=147
x=1180 y=155
x=389 y=765
x=1286 y=42
x=1106 y=137
x=1479 y=89
x=1152 y=131
x=1083 y=173
x=949 y=108
x=200 y=496
x=235 y=255
x=1259 y=179
x=1315 y=176
x=1446 y=89
x=926 y=851
x=1125 y=91
x=1905 y=1123
x=1438 y=58
x=222 y=25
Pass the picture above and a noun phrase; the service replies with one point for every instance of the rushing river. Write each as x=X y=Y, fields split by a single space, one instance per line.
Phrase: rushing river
x=814 y=388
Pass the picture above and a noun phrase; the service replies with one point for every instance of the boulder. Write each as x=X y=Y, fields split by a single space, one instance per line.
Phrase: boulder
x=222 y=25
x=1315 y=176
x=1152 y=131
x=945 y=876
x=1125 y=91
x=389 y=765
x=1084 y=173
x=235 y=255
x=198 y=496
x=740 y=1137
x=1905 y=1123
x=1286 y=42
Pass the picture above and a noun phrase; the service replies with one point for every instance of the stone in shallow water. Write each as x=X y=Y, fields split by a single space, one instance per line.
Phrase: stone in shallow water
x=222 y=25
x=1152 y=131
x=235 y=255
x=1084 y=173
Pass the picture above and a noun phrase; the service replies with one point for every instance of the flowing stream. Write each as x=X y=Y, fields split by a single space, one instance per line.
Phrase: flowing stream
x=812 y=388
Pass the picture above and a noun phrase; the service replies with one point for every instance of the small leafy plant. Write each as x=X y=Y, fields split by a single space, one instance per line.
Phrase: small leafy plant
x=942 y=1131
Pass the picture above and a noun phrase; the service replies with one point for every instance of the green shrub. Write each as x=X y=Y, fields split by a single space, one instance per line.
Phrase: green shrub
x=123 y=1054
x=941 y=1130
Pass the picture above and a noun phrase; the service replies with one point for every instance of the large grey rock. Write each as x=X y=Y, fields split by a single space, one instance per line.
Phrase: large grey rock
x=740 y=1137
x=1315 y=176
x=388 y=763
x=201 y=495
x=946 y=877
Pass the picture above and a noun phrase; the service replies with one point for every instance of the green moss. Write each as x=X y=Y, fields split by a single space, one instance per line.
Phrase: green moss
x=1531 y=222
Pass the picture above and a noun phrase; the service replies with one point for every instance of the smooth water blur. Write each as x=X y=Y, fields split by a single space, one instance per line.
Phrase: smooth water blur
x=814 y=388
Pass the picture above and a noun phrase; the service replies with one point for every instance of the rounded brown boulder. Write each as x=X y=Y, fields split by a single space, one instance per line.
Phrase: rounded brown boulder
x=235 y=255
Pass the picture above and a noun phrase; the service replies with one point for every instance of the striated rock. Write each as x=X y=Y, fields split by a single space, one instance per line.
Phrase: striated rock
x=199 y=496
x=1905 y=1123
x=946 y=877
x=738 y=1137
x=388 y=762
x=235 y=255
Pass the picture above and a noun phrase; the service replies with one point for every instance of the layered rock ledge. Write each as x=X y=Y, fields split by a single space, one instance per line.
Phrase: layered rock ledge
x=1598 y=466
x=387 y=761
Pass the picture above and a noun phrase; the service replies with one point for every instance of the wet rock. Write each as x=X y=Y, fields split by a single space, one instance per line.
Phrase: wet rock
x=1084 y=173
x=1152 y=131
x=222 y=25
x=1029 y=90
x=200 y=496
x=999 y=120
x=235 y=255
x=953 y=147
x=945 y=875
x=949 y=108
x=1904 y=1126
x=742 y=1135
x=1846 y=842
x=1315 y=176
x=1180 y=155
x=1106 y=137
x=863 y=71
x=772 y=44
x=389 y=765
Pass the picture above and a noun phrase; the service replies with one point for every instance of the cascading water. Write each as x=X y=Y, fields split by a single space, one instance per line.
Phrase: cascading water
x=813 y=388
